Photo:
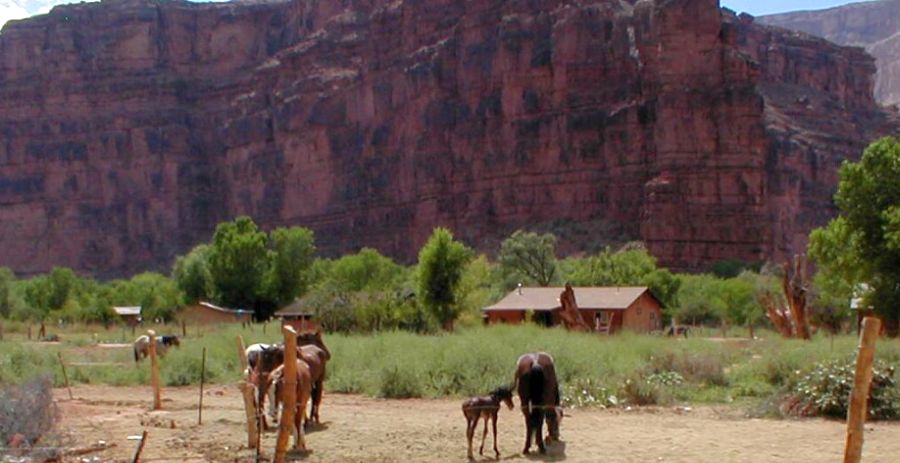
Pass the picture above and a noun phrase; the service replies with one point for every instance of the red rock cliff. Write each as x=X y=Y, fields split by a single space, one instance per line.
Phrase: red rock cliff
x=130 y=128
x=874 y=25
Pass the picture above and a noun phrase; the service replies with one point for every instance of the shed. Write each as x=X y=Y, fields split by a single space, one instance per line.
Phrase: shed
x=207 y=313
x=130 y=315
x=299 y=314
x=606 y=309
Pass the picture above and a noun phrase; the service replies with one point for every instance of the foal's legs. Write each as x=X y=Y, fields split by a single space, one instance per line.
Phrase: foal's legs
x=496 y=452
x=484 y=435
x=471 y=423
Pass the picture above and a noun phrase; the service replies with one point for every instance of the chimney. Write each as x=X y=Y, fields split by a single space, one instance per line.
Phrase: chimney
x=519 y=289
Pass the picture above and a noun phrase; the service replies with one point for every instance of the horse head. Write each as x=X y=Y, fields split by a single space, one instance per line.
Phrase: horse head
x=503 y=394
x=270 y=357
x=313 y=338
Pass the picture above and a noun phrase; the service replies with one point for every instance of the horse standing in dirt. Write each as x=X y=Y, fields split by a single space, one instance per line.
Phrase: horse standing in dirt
x=142 y=346
x=485 y=407
x=538 y=390
x=304 y=392
x=273 y=356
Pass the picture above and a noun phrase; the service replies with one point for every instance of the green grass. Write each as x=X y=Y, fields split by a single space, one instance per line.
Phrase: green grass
x=621 y=369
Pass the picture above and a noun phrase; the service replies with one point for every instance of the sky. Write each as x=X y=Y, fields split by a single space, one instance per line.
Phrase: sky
x=761 y=7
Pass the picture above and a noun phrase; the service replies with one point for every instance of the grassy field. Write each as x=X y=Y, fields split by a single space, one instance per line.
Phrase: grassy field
x=608 y=371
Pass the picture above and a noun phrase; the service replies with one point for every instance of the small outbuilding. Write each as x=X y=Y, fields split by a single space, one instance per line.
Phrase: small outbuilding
x=298 y=314
x=605 y=309
x=207 y=313
x=130 y=315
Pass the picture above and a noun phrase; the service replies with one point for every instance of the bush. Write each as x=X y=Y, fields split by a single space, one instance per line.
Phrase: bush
x=826 y=391
x=399 y=383
x=696 y=368
x=27 y=411
x=639 y=391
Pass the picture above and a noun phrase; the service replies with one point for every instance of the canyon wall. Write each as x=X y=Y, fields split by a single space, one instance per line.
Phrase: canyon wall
x=131 y=127
x=874 y=25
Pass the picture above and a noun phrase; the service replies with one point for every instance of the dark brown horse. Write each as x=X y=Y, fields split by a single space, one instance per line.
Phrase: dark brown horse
x=272 y=357
x=538 y=390
x=485 y=407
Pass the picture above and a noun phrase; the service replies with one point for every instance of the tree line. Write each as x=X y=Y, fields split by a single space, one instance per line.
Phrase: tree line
x=856 y=255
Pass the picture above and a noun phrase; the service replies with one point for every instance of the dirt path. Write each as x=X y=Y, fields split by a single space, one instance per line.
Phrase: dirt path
x=362 y=429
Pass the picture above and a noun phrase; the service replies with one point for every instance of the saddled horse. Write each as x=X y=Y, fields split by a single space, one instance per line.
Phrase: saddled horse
x=142 y=345
x=273 y=356
x=535 y=381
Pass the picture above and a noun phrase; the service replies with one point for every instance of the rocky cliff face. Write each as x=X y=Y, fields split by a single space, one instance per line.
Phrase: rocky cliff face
x=874 y=25
x=130 y=128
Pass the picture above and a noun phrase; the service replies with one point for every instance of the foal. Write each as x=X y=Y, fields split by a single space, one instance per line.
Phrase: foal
x=485 y=407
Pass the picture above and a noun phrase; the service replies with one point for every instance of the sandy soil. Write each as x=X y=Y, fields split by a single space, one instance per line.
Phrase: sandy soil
x=362 y=429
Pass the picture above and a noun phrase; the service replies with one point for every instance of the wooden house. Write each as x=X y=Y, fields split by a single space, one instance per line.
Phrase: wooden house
x=298 y=314
x=605 y=309
x=206 y=313
x=130 y=315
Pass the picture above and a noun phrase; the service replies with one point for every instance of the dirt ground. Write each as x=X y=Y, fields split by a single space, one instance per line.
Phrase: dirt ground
x=363 y=429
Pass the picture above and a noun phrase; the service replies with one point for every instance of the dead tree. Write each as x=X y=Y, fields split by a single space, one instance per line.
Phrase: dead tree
x=777 y=314
x=795 y=288
x=569 y=313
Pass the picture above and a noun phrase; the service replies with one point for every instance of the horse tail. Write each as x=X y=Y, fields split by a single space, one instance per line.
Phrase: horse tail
x=536 y=385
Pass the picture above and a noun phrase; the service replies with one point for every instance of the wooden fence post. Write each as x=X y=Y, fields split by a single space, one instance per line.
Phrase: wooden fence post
x=249 y=400
x=65 y=376
x=289 y=393
x=29 y=332
x=183 y=329
x=140 y=448
x=862 y=379
x=154 y=371
x=202 y=380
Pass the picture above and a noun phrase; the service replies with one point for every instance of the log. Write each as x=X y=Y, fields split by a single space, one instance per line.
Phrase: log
x=154 y=371
x=250 y=411
x=859 y=396
x=289 y=389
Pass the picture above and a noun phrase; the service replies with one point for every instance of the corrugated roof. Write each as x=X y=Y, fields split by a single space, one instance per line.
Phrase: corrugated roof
x=127 y=310
x=210 y=305
x=531 y=298
x=298 y=307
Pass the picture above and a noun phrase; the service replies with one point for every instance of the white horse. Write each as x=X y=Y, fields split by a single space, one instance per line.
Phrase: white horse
x=142 y=345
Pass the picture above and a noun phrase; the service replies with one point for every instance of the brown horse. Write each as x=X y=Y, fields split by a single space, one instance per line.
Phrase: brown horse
x=535 y=381
x=272 y=357
x=304 y=392
x=485 y=407
x=313 y=338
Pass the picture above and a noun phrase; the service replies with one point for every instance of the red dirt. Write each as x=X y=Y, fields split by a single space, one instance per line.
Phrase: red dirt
x=362 y=429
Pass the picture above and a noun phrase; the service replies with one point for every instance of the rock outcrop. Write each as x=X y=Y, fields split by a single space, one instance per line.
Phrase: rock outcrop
x=131 y=127
x=874 y=25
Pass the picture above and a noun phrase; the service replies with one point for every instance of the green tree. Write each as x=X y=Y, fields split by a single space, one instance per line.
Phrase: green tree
x=440 y=268
x=50 y=292
x=365 y=270
x=293 y=250
x=530 y=255
x=632 y=266
x=863 y=244
x=7 y=280
x=238 y=261
x=192 y=276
